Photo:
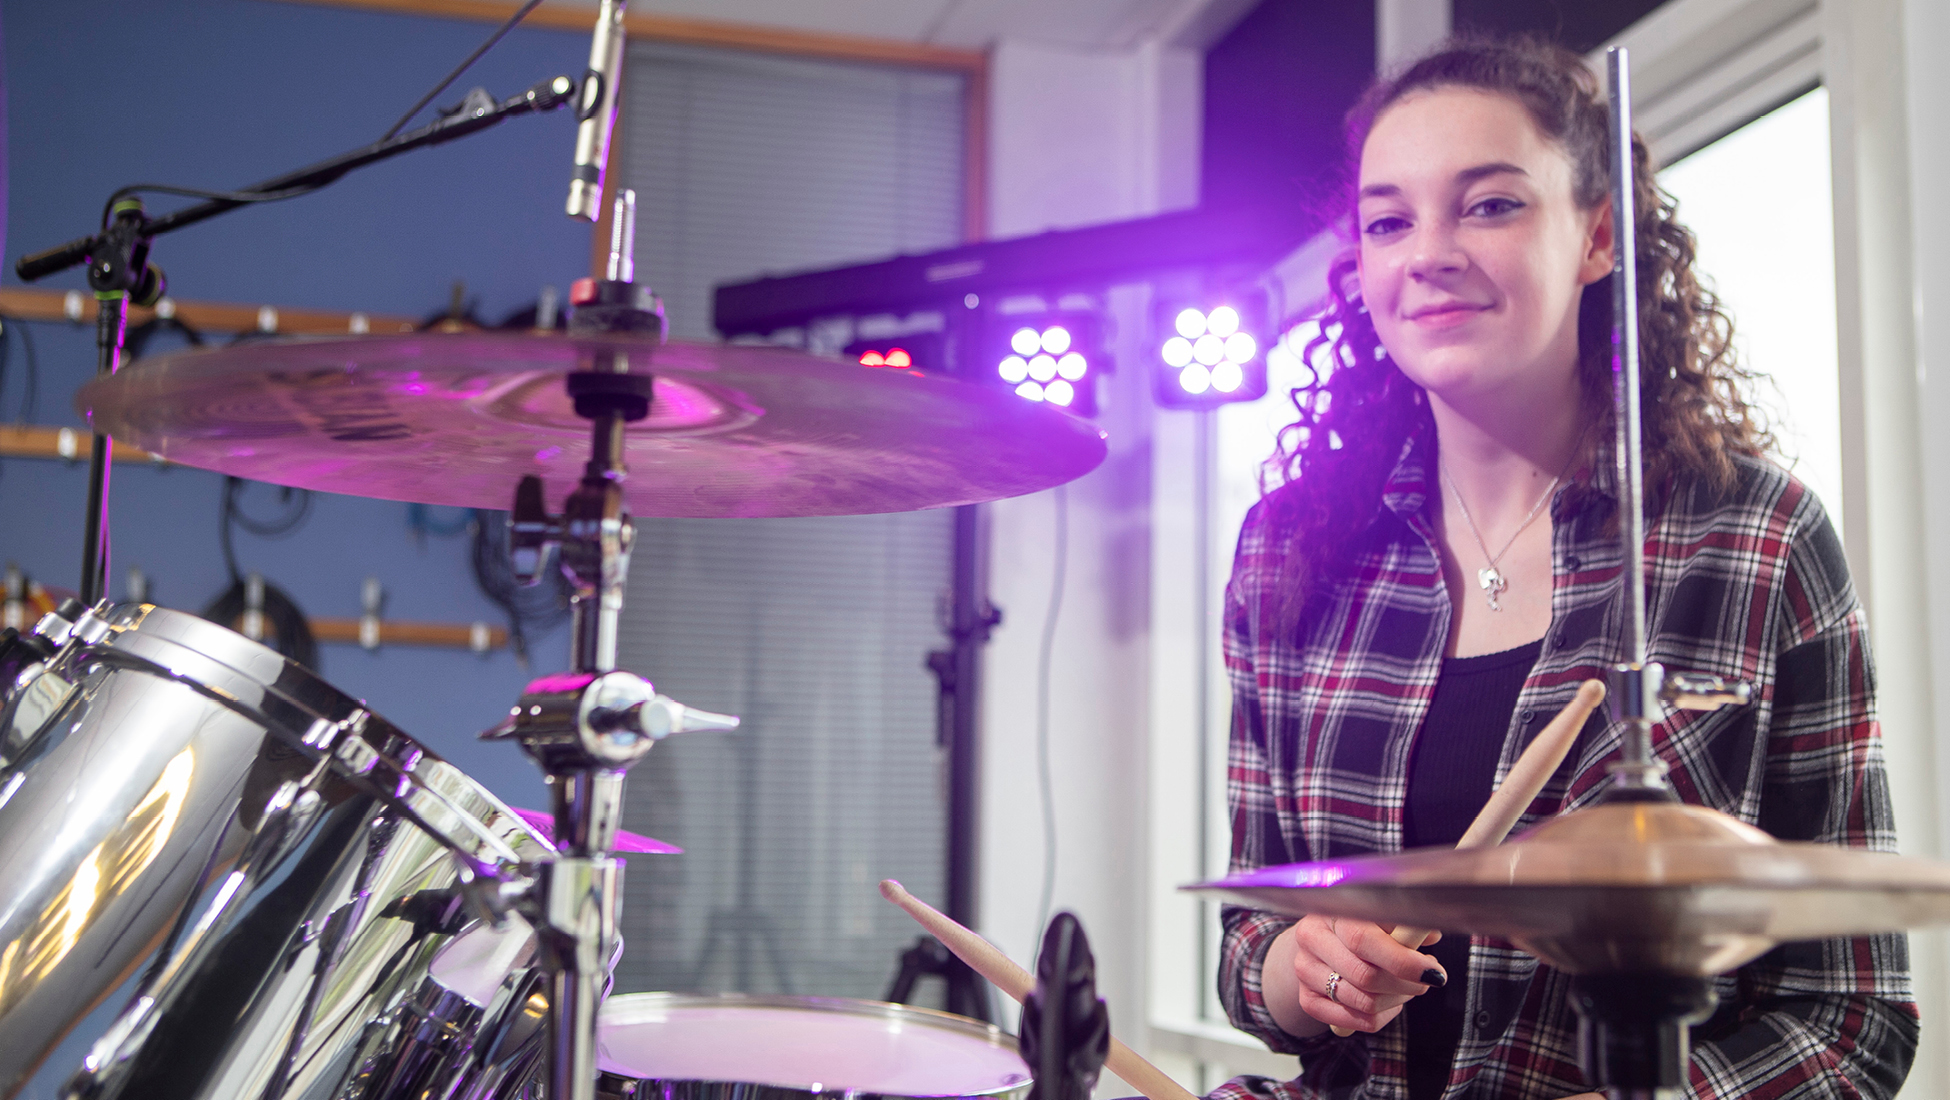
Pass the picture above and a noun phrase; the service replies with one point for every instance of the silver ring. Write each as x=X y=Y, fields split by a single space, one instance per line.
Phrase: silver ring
x=1333 y=986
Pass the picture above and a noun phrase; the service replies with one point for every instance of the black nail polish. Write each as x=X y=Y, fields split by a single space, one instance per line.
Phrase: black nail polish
x=1434 y=977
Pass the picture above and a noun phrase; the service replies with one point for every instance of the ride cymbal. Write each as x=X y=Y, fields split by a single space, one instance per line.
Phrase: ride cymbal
x=459 y=419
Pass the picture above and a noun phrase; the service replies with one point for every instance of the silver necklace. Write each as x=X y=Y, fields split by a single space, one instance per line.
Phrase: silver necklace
x=1490 y=578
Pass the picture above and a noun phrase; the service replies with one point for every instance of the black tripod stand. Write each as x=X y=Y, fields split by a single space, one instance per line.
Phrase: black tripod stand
x=957 y=672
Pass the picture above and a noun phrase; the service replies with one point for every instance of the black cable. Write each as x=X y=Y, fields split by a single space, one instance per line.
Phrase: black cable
x=138 y=337
x=5 y=349
x=289 y=628
x=289 y=631
x=31 y=384
x=1045 y=788
x=537 y=609
x=455 y=75
x=108 y=209
x=297 y=508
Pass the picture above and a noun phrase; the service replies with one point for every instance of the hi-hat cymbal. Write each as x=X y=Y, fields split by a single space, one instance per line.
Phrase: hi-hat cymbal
x=1621 y=887
x=458 y=419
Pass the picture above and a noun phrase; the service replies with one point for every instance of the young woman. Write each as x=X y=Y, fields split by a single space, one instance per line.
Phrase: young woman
x=1440 y=569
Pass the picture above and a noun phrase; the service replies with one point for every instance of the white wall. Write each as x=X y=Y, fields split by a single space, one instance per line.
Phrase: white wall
x=1079 y=138
x=1881 y=66
x=1925 y=41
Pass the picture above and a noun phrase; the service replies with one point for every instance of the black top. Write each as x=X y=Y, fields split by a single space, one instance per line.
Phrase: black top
x=1451 y=773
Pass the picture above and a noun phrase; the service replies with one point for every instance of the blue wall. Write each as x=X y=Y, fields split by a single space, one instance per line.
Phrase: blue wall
x=221 y=93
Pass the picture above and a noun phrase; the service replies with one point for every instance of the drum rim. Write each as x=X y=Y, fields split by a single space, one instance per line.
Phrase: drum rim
x=852 y=1006
x=209 y=642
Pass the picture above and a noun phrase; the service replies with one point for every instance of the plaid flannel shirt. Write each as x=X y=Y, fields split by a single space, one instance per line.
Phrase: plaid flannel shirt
x=1750 y=584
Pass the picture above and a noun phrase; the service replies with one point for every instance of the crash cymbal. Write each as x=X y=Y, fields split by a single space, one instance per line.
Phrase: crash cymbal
x=458 y=419
x=1621 y=887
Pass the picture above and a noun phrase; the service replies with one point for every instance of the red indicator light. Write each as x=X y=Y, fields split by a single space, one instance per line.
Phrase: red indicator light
x=899 y=358
x=872 y=359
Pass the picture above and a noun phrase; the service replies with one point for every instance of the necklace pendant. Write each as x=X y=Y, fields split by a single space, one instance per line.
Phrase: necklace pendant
x=1492 y=583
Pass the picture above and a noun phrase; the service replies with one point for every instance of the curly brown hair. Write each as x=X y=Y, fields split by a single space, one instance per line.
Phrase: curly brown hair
x=1358 y=413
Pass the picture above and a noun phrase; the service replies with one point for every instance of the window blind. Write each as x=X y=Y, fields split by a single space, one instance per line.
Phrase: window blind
x=814 y=631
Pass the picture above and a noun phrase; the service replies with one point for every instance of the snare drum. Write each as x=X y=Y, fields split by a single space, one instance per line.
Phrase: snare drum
x=730 y=1047
x=288 y=864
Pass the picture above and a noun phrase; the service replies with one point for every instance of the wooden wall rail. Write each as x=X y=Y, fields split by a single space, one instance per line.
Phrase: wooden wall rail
x=652 y=27
x=72 y=444
x=36 y=304
x=479 y=637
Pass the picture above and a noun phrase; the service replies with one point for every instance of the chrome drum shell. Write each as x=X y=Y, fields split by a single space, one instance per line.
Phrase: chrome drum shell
x=291 y=866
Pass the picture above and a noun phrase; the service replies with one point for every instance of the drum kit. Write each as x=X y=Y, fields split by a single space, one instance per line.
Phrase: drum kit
x=319 y=906
x=295 y=900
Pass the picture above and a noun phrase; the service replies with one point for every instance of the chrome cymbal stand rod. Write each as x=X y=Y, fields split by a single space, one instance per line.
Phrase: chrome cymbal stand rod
x=587 y=726
x=1632 y=1034
x=1636 y=680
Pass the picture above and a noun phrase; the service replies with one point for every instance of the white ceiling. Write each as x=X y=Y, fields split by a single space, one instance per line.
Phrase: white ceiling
x=972 y=24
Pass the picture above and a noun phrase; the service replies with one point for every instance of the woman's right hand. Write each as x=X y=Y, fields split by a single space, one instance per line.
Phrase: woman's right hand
x=1377 y=976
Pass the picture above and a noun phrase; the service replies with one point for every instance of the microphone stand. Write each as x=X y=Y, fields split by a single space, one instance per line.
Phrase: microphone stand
x=119 y=270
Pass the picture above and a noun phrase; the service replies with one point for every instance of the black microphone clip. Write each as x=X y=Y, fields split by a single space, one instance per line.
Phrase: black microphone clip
x=117 y=258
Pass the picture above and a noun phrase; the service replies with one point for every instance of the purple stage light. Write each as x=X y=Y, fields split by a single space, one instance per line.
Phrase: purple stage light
x=1209 y=353
x=1052 y=355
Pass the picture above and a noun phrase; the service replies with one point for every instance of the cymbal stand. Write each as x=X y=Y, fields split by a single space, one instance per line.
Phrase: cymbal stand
x=586 y=727
x=1632 y=1036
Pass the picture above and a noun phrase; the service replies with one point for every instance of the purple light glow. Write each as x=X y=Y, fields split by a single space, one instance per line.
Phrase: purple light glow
x=1056 y=340
x=1227 y=377
x=1222 y=322
x=1072 y=366
x=1059 y=392
x=1026 y=341
x=547 y=454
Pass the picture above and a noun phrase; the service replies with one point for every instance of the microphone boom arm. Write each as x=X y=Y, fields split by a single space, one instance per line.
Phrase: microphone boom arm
x=477 y=113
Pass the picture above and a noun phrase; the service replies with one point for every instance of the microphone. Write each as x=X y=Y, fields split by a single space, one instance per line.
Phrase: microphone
x=596 y=111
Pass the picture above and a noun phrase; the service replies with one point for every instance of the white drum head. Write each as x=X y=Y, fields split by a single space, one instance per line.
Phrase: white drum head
x=813 y=1043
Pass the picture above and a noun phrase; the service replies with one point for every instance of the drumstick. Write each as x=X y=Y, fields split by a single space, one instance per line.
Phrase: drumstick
x=988 y=960
x=1527 y=776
